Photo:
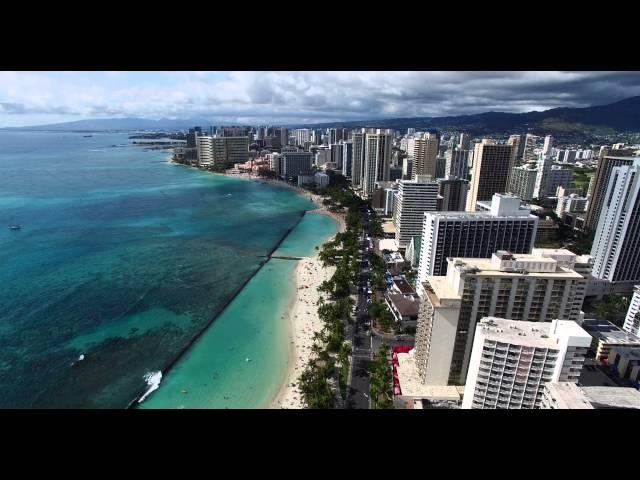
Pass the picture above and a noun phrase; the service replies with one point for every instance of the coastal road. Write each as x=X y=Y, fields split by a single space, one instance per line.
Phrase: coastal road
x=362 y=343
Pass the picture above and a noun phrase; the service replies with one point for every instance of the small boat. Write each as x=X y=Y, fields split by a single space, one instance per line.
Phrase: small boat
x=87 y=136
x=15 y=227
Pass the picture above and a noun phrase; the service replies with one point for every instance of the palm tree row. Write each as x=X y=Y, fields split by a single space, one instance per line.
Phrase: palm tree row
x=380 y=380
x=342 y=253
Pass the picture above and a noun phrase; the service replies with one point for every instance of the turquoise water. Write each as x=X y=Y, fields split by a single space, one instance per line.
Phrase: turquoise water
x=122 y=258
x=215 y=372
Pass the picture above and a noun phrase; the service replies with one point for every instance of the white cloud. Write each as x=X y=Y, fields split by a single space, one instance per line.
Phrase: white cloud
x=299 y=96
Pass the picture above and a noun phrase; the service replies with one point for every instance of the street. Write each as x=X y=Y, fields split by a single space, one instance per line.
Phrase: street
x=365 y=343
x=362 y=352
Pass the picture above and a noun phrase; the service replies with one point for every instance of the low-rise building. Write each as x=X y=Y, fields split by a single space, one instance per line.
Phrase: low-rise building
x=626 y=363
x=393 y=262
x=564 y=395
x=404 y=308
x=606 y=336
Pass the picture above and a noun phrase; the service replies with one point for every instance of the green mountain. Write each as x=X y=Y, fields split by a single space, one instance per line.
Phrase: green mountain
x=622 y=116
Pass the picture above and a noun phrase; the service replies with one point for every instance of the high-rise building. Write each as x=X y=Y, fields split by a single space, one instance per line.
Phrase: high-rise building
x=347 y=158
x=316 y=137
x=632 y=320
x=337 y=154
x=548 y=146
x=441 y=163
x=407 y=169
x=601 y=182
x=302 y=135
x=523 y=182
x=453 y=194
x=275 y=163
x=518 y=144
x=395 y=173
x=284 y=136
x=518 y=287
x=616 y=245
x=233 y=132
x=322 y=156
x=357 y=171
x=490 y=173
x=414 y=198
x=512 y=361
x=411 y=131
x=389 y=200
x=569 y=156
x=295 y=163
x=204 y=145
x=507 y=226
x=423 y=151
x=555 y=177
x=457 y=163
x=529 y=147
x=191 y=138
x=465 y=141
x=541 y=187
x=377 y=158
x=236 y=150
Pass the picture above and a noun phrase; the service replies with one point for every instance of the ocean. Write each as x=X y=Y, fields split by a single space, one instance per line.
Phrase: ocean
x=122 y=261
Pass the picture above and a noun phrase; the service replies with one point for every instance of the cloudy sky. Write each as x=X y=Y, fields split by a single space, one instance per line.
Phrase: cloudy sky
x=30 y=98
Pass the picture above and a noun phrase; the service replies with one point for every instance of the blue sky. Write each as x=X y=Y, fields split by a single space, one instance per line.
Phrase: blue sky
x=30 y=98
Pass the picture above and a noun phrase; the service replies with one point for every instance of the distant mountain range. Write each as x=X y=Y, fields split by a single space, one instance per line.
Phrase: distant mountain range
x=622 y=116
x=120 y=124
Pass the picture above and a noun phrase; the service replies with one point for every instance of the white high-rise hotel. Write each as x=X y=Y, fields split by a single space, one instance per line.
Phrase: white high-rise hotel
x=414 y=198
x=376 y=160
x=616 y=246
x=512 y=361
x=508 y=226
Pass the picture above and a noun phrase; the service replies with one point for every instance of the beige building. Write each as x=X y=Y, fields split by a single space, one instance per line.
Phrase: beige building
x=423 y=151
x=514 y=286
x=490 y=173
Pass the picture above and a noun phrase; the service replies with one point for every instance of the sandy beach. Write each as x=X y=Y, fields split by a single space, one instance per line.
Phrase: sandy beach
x=303 y=319
x=303 y=323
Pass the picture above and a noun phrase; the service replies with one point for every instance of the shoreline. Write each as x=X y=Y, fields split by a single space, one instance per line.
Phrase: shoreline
x=303 y=321
x=301 y=317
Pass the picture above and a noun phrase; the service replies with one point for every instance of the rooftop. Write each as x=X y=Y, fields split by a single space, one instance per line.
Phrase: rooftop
x=407 y=305
x=412 y=386
x=568 y=395
x=388 y=244
x=531 y=334
x=403 y=286
x=388 y=227
x=607 y=332
x=487 y=267
x=612 y=397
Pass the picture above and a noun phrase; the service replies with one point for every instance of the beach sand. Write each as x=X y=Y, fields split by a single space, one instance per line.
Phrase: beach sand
x=304 y=322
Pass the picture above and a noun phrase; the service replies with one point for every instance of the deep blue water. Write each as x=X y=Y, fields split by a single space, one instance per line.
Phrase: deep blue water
x=122 y=257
